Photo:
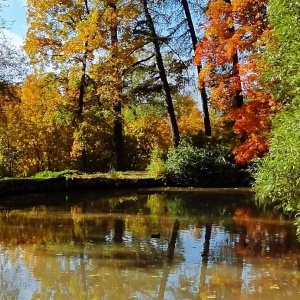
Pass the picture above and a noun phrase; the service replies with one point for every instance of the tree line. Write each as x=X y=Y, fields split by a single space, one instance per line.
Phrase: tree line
x=110 y=81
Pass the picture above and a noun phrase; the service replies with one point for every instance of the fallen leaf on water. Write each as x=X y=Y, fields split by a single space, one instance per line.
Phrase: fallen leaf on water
x=274 y=287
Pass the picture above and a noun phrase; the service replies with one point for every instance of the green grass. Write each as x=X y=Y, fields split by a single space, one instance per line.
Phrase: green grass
x=73 y=173
x=51 y=174
x=119 y=175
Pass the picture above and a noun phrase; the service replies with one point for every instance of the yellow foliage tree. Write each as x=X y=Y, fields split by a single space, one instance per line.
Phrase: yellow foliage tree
x=149 y=128
x=89 y=40
x=45 y=131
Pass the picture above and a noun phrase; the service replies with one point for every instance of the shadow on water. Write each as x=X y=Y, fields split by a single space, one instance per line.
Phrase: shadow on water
x=145 y=244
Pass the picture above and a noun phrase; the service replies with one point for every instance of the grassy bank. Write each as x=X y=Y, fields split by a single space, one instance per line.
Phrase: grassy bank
x=72 y=180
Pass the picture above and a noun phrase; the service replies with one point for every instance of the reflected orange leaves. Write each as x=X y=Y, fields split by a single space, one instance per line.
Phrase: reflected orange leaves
x=261 y=237
x=73 y=249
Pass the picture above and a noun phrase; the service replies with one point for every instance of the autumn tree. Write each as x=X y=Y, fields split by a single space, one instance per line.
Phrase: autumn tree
x=117 y=107
x=252 y=119
x=45 y=129
x=13 y=68
x=175 y=23
x=147 y=127
x=233 y=32
x=204 y=96
x=10 y=146
x=155 y=40
x=77 y=38
x=108 y=57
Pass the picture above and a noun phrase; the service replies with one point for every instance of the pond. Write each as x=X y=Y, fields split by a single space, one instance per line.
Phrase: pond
x=146 y=244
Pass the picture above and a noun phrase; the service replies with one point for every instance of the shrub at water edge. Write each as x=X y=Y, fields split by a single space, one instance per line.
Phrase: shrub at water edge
x=209 y=166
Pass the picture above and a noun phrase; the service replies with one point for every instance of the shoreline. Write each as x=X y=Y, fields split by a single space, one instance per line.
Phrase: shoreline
x=21 y=186
x=38 y=185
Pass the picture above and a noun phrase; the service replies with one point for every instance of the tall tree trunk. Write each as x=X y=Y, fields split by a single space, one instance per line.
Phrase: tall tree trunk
x=118 y=123
x=80 y=106
x=238 y=98
x=204 y=98
x=163 y=76
x=118 y=137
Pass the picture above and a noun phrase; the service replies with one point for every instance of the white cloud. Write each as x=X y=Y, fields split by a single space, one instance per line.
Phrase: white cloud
x=13 y=38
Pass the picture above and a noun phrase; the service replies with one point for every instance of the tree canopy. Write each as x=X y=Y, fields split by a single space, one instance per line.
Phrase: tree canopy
x=110 y=82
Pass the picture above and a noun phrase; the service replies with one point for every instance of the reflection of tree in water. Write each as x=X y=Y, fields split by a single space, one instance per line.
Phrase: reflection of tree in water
x=261 y=237
x=205 y=254
x=173 y=239
x=119 y=230
x=88 y=261
x=246 y=240
x=79 y=224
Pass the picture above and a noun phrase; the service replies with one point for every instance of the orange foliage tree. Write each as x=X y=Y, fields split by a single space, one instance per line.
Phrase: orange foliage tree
x=234 y=32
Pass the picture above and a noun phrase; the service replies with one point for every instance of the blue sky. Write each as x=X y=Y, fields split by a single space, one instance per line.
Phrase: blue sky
x=14 y=13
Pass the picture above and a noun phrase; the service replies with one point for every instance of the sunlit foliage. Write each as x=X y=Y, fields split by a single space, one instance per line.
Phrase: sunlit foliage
x=277 y=179
x=209 y=166
x=234 y=31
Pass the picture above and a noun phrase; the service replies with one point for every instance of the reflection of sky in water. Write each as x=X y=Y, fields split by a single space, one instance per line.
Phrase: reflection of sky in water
x=247 y=275
x=185 y=277
x=16 y=281
x=191 y=246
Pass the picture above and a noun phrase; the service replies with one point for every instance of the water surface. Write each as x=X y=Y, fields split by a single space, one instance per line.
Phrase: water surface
x=146 y=244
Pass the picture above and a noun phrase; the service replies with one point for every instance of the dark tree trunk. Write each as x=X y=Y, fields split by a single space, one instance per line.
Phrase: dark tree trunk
x=204 y=98
x=118 y=137
x=84 y=160
x=81 y=91
x=118 y=123
x=238 y=97
x=84 y=155
x=80 y=106
x=163 y=76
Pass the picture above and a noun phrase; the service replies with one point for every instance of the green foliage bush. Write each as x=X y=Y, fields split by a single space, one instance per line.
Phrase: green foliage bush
x=209 y=166
x=277 y=179
x=157 y=162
